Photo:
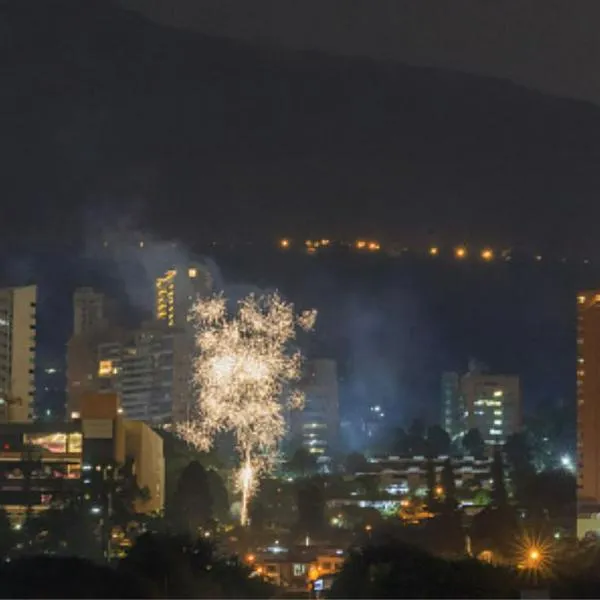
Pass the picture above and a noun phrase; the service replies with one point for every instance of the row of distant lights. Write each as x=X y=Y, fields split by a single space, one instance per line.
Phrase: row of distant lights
x=459 y=252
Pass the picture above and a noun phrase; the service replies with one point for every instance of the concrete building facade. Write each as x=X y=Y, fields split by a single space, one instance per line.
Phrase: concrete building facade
x=17 y=353
x=588 y=413
x=177 y=289
x=148 y=369
x=484 y=401
x=317 y=424
x=46 y=464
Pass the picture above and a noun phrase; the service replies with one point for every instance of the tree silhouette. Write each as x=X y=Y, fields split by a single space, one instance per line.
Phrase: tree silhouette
x=449 y=486
x=473 y=444
x=192 y=504
x=397 y=570
x=219 y=495
x=431 y=483
x=302 y=463
x=438 y=441
x=68 y=577
x=7 y=535
x=178 y=567
x=499 y=495
x=311 y=507
x=356 y=463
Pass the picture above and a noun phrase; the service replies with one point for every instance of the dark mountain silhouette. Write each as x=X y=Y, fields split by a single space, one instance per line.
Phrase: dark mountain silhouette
x=107 y=115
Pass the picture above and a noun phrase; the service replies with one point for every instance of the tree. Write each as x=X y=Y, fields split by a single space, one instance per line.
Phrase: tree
x=219 y=495
x=438 y=441
x=7 y=535
x=356 y=463
x=257 y=515
x=397 y=570
x=302 y=463
x=473 y=443
x=431 y=483
x=192 y=505
x=311 y=507
x=449 y=486
x=66 y=531
x=499 y=495
x=68 y=577
x=520 y=462
x=417 y=445
x=179 y=567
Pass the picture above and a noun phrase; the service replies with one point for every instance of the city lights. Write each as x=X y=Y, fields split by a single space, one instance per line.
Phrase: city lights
x=487 y=254
x=244 y=374
x=460 y=252
x=284 y=243
x=434 y=251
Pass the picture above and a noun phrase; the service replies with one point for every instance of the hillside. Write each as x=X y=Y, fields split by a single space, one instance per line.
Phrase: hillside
x=109 y=115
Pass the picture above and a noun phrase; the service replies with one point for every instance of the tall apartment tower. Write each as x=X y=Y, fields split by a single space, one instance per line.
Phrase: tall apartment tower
x=588 y=404
x=148 y=371
x=177 y=289
x=88 y=310
x=90 y=328
x=317 y=424
x=17 y=353
x=453 y=412
x=481 y=400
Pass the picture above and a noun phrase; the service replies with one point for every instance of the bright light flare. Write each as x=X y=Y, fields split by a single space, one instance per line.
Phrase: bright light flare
x=487 y=254
x=244 y=373
x=536 y=554
x=460 y=252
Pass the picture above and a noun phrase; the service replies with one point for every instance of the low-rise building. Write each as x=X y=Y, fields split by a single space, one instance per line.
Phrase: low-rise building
x=44 y=464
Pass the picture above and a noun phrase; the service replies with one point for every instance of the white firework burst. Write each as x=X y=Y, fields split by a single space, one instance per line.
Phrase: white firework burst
x=244 y=374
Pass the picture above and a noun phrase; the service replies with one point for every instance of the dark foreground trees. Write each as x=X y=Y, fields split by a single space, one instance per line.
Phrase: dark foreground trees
x=402 y=571
x=68 y=577
x=158 y=566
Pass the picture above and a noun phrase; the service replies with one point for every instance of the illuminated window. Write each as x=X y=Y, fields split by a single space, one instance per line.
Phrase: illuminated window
x=193 y=273
x=581 y=299
x=498 y=393
x=75 y=443
x=53 y=442
x=299 y=569
x=105 y=368
x=498 y=422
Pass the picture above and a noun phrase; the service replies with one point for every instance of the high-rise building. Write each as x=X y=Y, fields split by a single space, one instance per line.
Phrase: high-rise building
x=91 y=327
x=88 y=310
x=453 y=411
x=149 y=370
x=480 y=400
x=588 y=411
x=17 y=353
x=176 y=291
x=317 y=424
x=492 y=405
